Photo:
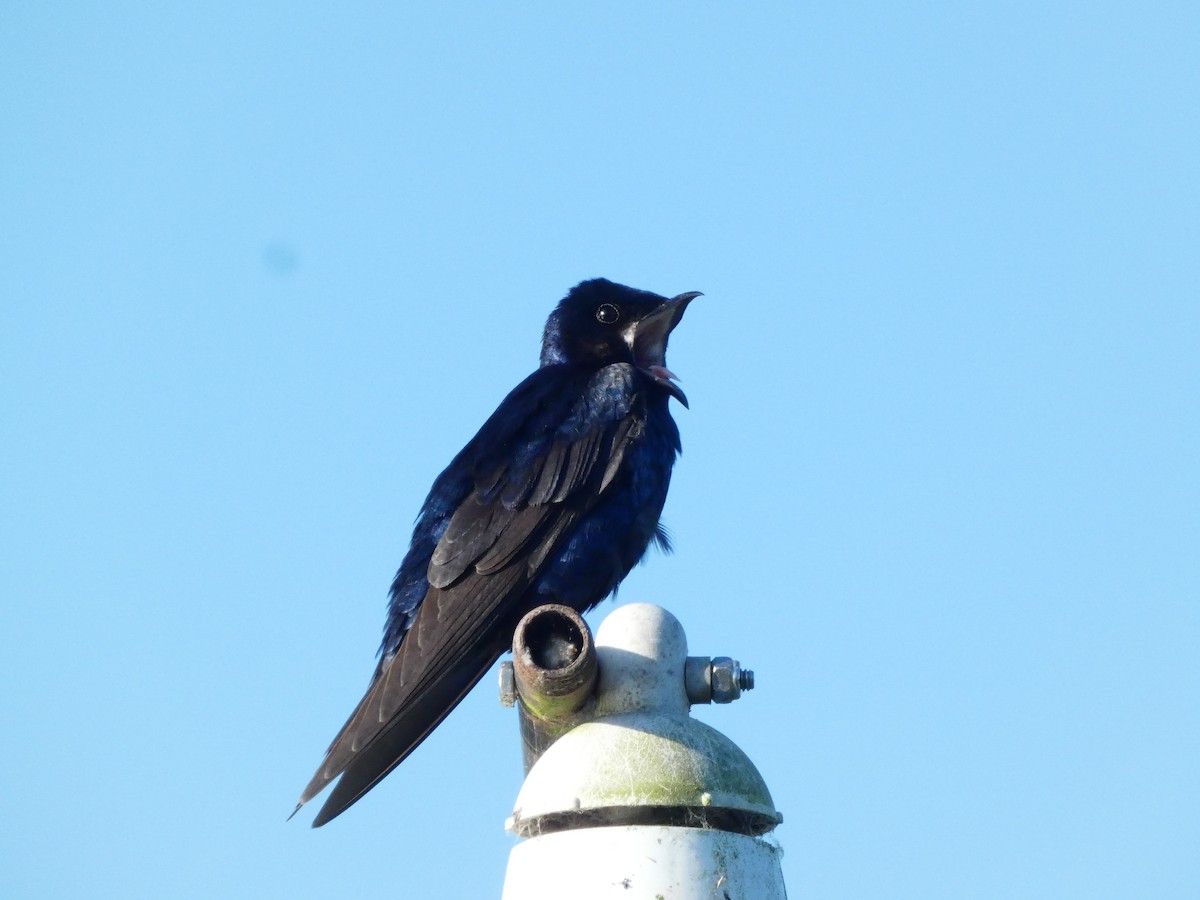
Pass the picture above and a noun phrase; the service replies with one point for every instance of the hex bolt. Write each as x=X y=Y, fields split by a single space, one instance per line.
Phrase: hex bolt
x=508 y=684
x=729 y=679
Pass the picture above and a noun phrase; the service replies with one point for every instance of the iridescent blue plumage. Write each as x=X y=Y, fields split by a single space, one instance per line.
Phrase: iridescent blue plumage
x=553 y=501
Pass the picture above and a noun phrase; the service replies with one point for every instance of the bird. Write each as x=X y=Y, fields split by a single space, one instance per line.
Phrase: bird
x=554 y=500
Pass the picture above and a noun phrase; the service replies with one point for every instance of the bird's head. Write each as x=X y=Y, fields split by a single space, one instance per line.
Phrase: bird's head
x=600 y=322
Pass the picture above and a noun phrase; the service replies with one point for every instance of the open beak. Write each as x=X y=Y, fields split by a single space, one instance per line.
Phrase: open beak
x=650 y=341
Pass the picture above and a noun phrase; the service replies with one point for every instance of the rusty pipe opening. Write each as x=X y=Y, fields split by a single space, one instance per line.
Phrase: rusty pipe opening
x=555 y=671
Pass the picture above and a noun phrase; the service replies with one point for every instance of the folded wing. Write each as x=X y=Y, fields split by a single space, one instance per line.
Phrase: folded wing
x=535 y=478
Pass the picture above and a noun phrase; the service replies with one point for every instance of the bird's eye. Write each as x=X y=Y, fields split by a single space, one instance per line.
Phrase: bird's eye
x=607 y=313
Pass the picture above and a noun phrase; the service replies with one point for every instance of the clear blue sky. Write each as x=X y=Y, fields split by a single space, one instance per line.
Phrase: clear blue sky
x=264 y=270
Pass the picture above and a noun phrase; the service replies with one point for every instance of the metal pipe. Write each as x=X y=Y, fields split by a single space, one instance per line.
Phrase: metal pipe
x=554 y=676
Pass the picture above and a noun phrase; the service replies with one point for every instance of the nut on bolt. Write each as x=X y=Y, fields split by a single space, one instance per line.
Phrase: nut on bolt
x=508 y=684
x=729 y=679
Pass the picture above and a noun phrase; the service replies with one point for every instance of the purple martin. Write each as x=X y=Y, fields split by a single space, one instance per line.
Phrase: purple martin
x=553 y=501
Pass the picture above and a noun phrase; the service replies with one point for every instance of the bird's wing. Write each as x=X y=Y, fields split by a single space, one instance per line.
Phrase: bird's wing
x=524 y=503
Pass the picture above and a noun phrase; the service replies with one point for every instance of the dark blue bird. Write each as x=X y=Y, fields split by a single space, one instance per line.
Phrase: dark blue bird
x=553 y=501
